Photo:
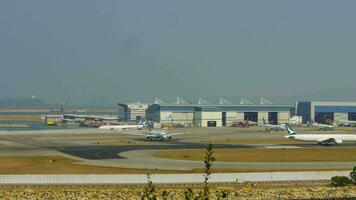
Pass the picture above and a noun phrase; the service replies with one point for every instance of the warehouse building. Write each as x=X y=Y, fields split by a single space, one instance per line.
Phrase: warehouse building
x=217 y=115
x=326 y=112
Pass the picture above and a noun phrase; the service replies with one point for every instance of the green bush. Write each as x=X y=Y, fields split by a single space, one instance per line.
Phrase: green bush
x=222 y=195
x=339 y=181
x=353 y=175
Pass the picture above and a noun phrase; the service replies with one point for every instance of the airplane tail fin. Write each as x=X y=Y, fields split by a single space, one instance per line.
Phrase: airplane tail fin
x=142 y=122
x=312 y=121
x=264 y=121
x=290 y=130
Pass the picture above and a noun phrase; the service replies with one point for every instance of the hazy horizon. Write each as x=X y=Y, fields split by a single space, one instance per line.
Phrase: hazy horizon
x=110 y=51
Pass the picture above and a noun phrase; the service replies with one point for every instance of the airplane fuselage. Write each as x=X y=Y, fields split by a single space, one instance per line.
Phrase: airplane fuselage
x=160 y=136
x=322 y=127
x=321 y=138
x=346 y=123
x=270 y=127
x=120 y=127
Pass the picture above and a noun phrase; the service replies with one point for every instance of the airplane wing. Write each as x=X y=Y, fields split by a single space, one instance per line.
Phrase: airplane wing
x=133 y=133
x=330 y=140
x=172 y=134
x=327 y=140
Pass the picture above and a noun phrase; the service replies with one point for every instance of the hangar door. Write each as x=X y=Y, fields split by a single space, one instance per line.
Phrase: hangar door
x=324 y=118
x=223 y=118
x=352 y=116
x=251 y=116
x=273 y=118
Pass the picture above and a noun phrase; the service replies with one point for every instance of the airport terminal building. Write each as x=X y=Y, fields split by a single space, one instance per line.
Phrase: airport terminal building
x=326 y=112
x=132 y=111
x=217 y=115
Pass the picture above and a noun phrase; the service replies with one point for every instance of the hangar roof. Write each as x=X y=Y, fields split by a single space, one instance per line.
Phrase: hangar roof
x=224 y=108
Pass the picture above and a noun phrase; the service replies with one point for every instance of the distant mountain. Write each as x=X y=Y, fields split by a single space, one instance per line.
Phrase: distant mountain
x=336 y=94
x=23 y=103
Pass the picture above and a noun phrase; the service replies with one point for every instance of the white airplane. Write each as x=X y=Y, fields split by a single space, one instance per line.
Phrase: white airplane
x=324 y=139
x=346 y=123
x=272 y=127
x=160 y=136
x=321 y=127
x=138 y=126
x=156 y=135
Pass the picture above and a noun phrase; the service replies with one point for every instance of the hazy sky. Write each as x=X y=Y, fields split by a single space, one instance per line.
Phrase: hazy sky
x=129 y=50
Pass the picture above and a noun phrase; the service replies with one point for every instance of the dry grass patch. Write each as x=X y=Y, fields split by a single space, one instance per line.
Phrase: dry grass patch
x=60 y=165
x=236 y=141
x=267 y=155
x=20 y=118
x=118 y=143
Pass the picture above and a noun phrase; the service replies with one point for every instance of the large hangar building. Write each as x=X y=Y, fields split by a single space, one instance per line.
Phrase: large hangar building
x=326 y=112
x=217 y=115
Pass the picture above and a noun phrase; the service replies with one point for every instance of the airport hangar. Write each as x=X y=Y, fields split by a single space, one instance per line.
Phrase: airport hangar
x=326 y=112
x=217 y=115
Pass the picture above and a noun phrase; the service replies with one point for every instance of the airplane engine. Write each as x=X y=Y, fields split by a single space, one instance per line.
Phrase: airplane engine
x=338 y=141
x=169 y=137
x=148 y=138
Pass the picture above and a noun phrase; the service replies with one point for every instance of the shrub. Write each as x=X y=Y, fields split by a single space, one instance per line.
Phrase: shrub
x=353 y=175
x=149 y=192
x=222 y=195
x=204 y=193
x=340 y=181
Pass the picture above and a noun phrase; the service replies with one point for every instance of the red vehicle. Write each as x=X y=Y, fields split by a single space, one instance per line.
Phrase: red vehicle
x=244 y=123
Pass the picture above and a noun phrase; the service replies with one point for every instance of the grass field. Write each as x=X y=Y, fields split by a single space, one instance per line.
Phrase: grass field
x=62 y=165
x=57 y=165
x=122 y=143
x=267 y=155
x=20 y=118
x=246 y=141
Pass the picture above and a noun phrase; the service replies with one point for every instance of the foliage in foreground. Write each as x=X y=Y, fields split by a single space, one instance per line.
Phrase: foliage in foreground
x=149 y=192
x=340 y=181
x=353 y=175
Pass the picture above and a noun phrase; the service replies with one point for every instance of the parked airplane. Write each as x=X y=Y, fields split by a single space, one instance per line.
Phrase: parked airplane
x=321 y=127
x=272 y=127
x=138 y=126
x=324 y=139
x=346 y=123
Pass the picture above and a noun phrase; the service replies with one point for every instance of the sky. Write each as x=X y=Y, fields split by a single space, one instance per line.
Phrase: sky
x=111 y=50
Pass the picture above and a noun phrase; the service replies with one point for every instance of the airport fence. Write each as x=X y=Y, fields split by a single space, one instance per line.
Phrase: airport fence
x=168 y=178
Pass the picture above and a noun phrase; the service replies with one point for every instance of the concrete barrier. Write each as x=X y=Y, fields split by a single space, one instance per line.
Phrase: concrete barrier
x=167 y=178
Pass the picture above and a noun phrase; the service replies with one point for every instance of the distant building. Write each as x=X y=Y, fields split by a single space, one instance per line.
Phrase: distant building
x=326 y=112
x=132 y=111
x=217 y=115
x=122 y=112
